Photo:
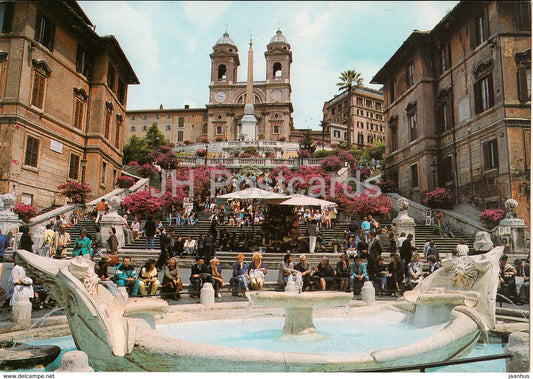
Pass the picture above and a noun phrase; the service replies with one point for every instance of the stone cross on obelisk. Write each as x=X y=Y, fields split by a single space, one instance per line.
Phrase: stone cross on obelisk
x=249 y=121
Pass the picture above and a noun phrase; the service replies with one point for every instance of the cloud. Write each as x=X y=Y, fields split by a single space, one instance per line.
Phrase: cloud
x=204 y=14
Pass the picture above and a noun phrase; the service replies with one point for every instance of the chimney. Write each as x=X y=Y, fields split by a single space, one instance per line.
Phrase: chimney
x=186 y=106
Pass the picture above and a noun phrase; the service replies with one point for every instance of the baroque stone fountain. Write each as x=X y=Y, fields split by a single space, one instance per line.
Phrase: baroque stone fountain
x=117 y=332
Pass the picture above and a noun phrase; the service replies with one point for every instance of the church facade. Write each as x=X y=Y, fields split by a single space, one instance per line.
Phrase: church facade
x=271 y=97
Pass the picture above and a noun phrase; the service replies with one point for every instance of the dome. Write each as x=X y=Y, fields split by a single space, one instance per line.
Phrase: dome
x=279 y=37
x=225 y=40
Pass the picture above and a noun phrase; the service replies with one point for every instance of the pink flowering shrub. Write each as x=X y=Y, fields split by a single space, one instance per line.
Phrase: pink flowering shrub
x=125 y=181
x=345 y=156
x=378 y=207
x=134 y=163
x=200 y=153
x=147 y=170
x=168 y=161
x=164 y=149
x=76 y=192
x=364 y=172
x=491 y=217
x=304 y=154
x=331 y=164
x=142 y=202
x=439 y=198
x=25 y=211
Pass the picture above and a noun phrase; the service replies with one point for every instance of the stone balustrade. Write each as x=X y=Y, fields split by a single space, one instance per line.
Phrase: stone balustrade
x=241 y=162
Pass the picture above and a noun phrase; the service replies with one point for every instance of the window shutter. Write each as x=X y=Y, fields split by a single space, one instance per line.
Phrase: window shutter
x=52 y=35
x=8 y=17
x=38 y=27
x=477 y=97
x=522 y=83
x=491 y=91
x=449 y=106
x=473 y=33
x=486 y=29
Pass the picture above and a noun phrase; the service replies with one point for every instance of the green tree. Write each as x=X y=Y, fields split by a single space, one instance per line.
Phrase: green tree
x=323 y=125
x=308 y=143
x=135 y=150
x=155 y=139
x=349 y=80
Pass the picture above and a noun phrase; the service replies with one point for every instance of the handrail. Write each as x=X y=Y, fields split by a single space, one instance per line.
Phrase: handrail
x=423 y=366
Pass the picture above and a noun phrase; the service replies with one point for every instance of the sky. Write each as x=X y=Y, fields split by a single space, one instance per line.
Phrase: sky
x=168 y=44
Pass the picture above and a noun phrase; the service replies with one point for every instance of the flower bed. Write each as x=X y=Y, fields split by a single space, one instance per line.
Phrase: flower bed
x=439 y=198
x=125 y=181
x=491 y=217
x=76 y=192
x=25 y=211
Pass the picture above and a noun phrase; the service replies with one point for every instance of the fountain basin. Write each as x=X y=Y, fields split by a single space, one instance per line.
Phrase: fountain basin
x=299 y=308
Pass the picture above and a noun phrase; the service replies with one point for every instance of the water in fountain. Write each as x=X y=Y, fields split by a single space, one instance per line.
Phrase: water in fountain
x=513 y=304
x=40 y=321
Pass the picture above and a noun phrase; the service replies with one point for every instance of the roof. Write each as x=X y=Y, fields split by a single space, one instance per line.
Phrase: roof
x=112 y=42
x=414 y=40
x=278 y=37
x=355 y=90
x=165 y=110
x=225 y=40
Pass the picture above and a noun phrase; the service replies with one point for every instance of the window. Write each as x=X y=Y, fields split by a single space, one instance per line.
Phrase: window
x=447 y=170
x=360 y=139
x=180 y=122
x=276 y=70
x=107 y=123
x=167 y=127
x=219 y=130
x=79 y=112
x=444 y=56
x=479 y=29
x=445 y=110
x=32 y=151
x=523 y=63
x=117 y=131
x=82 y=61
x=74 y=166
x=378 y=106
x=168 y=116
x=132 y=128
x=368 y=126
x=369 y=104
x=369 y=139
x=392 y=93
x=40 y=74
x=359 y=101
x=483 y=94
x=410 y=74
x=144 y=117
x=222 y=72
x=6 y=16
x=275 y=129
x=121 y=92
x=379 y=117
x=180 y=136
x=360 y=112
x=411 y=121
x=205 y=129
x=369 y=114
x=104 y=172
x=133 y=117
x=45 y=31
x=145 y=128
x=490 y=155
x=111 y=77
x=524 y=15
x=336 y=134
x=414 y=175
x=360 y=124
x=27 y=199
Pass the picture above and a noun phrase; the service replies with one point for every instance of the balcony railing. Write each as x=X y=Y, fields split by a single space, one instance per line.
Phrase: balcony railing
x=262 y=162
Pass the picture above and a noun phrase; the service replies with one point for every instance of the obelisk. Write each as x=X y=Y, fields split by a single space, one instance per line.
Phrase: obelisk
x=249 y=122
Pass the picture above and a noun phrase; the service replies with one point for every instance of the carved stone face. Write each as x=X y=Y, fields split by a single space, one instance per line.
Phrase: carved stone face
x=402 y=204
x=465 y=273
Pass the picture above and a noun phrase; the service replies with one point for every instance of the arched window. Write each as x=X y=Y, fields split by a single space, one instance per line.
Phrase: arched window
x=222 y=72
x=276 y=70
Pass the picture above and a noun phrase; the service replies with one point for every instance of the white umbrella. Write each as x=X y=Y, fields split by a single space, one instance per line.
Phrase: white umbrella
x=303 y=200
x=254 y=193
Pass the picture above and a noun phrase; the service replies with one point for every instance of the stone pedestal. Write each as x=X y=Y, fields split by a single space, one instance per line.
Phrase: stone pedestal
x=74 y=361
x=405 y=222
x=21 y=313
x=518 y=347
x=9 y=220
x=513 y=229
x=249 y=124
x=112 y=219
x=207 y=296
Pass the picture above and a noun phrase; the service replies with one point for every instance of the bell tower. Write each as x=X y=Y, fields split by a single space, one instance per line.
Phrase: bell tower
x=224 y=61
x=278 y=59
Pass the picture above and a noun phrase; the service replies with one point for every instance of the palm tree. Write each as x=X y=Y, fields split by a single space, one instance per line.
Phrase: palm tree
x=323 y=125
x=350 y=79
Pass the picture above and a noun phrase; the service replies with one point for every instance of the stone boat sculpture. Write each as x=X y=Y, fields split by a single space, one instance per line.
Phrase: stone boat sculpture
x=118 y=334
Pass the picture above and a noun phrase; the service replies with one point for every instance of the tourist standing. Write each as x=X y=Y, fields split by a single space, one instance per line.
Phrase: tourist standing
x=100 y=210
x=365 y=226
x=149 y=231
x=374 y=252
x=406 y=251
x=393 y=236
x=462 y=249
x=312 y=230
x=432 y=250
x=48 y=238
x=98 y=243
x=26 y=242
x=164 y=244
x=61 y=242
x=112 y=241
